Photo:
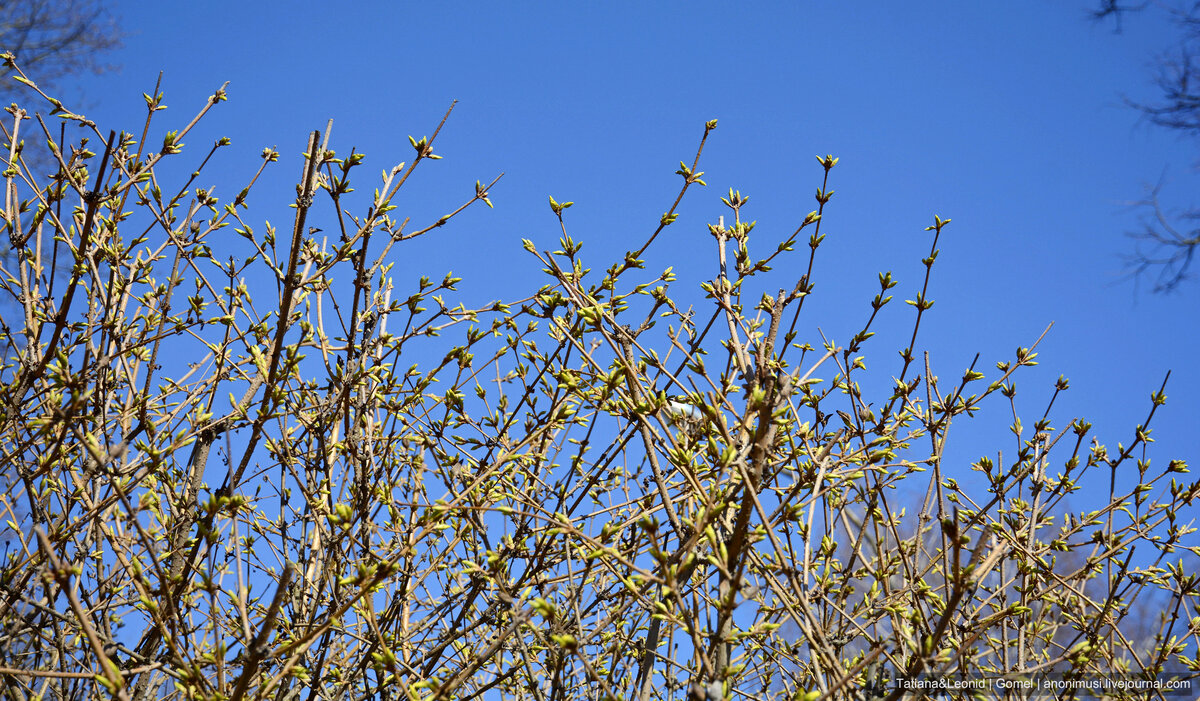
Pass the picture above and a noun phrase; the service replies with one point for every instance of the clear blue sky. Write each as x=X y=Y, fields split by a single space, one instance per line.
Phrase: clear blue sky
x=1011 y=123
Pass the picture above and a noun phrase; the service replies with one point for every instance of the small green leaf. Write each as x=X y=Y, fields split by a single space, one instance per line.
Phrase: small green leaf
x=558 y=208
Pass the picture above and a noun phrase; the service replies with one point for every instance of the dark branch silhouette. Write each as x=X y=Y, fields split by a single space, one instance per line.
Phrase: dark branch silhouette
x=1166 y=244
x=56 y=38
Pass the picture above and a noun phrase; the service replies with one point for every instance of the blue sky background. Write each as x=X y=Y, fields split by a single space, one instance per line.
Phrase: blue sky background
x=1009 y=122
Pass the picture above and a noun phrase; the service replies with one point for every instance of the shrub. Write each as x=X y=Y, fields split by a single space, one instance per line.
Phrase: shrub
x=245 y=462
